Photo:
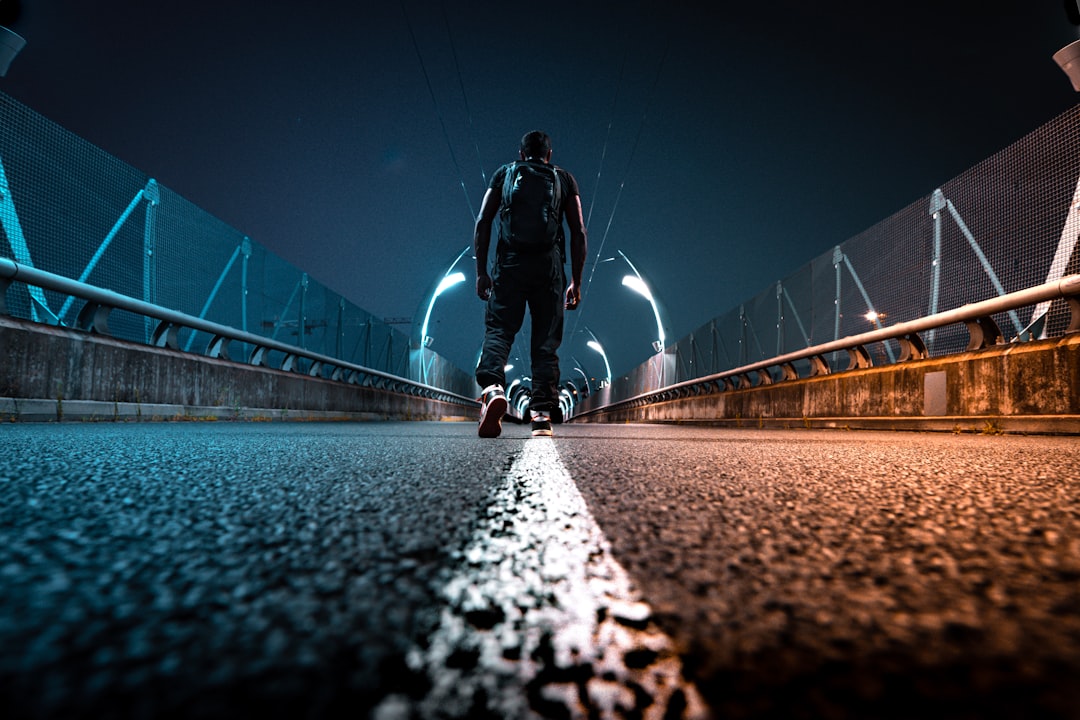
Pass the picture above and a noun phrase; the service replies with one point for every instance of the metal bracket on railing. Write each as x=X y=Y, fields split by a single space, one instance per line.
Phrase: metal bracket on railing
x=316 y=369
x=94 y=317
x=166 y=335
x=912 y=347
x=218 y=347
x=742 y=382
x=788 y=372
x=764 y=377
x=291 y=363
x=818 y=366
x=982 y=332
x=1074 y=313
x=258 y=356
x=859 y=358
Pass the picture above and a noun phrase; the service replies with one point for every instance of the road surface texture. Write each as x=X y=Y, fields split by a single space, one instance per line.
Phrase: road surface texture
x=411 y=570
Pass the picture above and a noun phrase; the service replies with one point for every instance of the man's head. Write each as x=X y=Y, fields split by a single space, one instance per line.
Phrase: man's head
x=536 y=145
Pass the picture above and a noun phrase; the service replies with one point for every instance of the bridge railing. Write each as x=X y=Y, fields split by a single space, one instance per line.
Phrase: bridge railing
x=982 y=329
x=1010 y=222
x=99 y=304
x=71 y=209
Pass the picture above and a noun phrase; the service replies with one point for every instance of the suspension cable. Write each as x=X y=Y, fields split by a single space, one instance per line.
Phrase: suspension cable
x=464 y=96
x=607 y=137
x=629 y=163
x=438 y=110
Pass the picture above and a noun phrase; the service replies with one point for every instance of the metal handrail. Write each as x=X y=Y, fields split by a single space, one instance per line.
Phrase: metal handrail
x=982 y=329
x=100 y=302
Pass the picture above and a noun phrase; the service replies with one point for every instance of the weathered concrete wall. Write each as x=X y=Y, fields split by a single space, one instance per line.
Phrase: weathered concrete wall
x=50 y=373
x=1021 y=387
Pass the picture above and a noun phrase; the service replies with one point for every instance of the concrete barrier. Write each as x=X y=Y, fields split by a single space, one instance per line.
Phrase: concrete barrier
x=1029 y=387
x=53 y=374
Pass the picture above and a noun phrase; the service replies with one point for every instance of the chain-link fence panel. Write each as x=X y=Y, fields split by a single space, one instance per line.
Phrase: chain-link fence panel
x=69 y=208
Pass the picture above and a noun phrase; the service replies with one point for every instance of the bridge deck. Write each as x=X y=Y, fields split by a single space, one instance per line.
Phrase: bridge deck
x=343 y=568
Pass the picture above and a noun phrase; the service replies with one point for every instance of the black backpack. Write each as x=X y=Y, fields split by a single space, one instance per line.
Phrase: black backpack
x=530 y=217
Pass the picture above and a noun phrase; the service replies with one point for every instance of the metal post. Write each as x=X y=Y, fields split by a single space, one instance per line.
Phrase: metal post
x=937 y=204
x=798 y=320
x=742 y=335
x=987 y=268
x=340 y=328
x=152 y=195
x=869 y=305
x=303 y=320
x=9 y=219
x=1070 y=232
x=106 y=242
x=779 y=317
x=245 y=249
x=837 y=258
x=214 y=292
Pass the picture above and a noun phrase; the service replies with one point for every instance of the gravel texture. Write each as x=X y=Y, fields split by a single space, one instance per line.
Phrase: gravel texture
x=313 y=570
x=840 y=574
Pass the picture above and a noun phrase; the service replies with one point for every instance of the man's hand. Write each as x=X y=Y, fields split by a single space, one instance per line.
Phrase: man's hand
x=573 y=296
x=483 y=286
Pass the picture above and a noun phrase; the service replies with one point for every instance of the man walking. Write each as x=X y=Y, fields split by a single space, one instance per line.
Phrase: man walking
x=531 y=198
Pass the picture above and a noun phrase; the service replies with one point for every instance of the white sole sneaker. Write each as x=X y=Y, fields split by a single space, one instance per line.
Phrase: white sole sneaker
x=491 y=417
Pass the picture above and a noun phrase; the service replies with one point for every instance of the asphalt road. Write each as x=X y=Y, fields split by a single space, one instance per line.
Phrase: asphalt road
x=412 y=570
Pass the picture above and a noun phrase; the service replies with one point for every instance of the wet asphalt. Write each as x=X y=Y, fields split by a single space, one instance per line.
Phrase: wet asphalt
x=292 y=570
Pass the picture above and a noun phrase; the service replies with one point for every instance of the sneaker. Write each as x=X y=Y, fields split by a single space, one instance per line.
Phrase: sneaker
x=493 y=407
x=541 y=424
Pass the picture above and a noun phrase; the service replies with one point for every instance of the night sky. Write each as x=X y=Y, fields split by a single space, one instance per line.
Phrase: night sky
x=720 y=149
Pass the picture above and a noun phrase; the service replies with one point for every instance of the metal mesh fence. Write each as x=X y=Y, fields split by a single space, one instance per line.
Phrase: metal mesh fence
x=1009 y=223
x=69 y=208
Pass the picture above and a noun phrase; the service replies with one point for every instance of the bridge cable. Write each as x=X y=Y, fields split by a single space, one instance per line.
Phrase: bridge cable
x=596 y=185
x=629 y=163
x=607 y=137
x=438 y=110
x=464 y=96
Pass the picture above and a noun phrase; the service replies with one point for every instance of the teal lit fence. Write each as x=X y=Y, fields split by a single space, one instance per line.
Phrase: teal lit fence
x=69 y=208
x=1007 y=224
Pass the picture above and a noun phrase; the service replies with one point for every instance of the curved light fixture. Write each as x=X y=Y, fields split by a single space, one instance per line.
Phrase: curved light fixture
x=449 y=280
x=445 y=284
x=595 y=345
x=637 y=283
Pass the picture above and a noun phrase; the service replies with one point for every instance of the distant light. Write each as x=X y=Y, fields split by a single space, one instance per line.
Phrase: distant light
x=508 y=368
x=874 y=316
x=599 y=348
x=445 y=284
x=637 y=285
x=448 y=282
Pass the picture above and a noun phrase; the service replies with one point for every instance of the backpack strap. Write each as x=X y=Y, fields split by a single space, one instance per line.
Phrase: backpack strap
x=507 y=188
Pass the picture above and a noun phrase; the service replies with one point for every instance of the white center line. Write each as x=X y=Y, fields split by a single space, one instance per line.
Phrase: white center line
x=540 y=618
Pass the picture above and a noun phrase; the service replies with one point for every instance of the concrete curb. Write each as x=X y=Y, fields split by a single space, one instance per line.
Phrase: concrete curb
x=48 y=410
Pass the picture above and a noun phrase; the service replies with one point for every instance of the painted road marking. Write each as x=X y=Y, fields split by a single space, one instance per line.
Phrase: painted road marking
x=540 y=618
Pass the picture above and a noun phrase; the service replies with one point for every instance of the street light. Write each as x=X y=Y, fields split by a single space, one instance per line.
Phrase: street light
x=637 y=283
x=1068 y=57
x=11 y=43
x=600 y=349
x=448 y=280
x=445 y=284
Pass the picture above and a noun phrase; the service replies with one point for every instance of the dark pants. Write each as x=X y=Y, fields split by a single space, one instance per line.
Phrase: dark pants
x=538 y=281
